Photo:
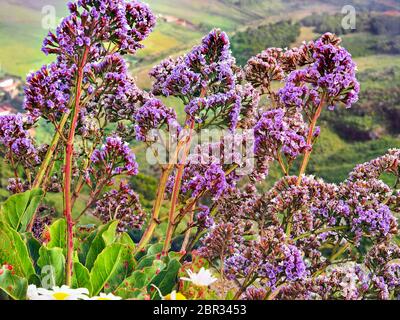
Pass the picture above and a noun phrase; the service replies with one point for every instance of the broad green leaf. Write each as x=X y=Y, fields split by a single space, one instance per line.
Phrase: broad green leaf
x=14 y=251
x=52 y=263
x=146 y=262
x=110 y=269
x=124 y=238
x=33 y=246
x=81 y=277
x=58 y=234
x=84 y=246
x=12 y=285
x=166 y=279
x=155 y=249
x=104 y=237
x=18 y=210
x=138 y=294
x=142 y=278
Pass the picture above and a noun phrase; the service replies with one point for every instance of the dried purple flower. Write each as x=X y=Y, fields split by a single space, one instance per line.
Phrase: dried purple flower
x=114 y=158
x=122 y=205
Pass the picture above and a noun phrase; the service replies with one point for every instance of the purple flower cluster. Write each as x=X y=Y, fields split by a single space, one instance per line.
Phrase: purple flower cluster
x=278 y=132
x=330 y=77
x=122 y=205
x=16 y=185
x=114 y=158
x=16 y=143
x=48 y=91
x=174 y=78
x=347 y=282
x=153 y=115
x=203 y=218
x=92 y=23
x=207 y=82
x=199 y=178
x=220 y=242
x=366 y=208
x=270 y=259
x=389 y=163
x=111 y=89
x=222 y=106
x=264 y=68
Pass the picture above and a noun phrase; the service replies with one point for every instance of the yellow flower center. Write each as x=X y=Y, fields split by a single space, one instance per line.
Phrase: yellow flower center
x=179 y=296
x=103 y=299
x=61 y=295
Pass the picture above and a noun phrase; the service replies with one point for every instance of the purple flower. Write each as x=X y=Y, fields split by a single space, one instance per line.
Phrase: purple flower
x=153 y=115
x=48 y=91
x=15 y=141
x=114 y=158
x=92 y=23
x=203 y=218
x=226 y=105
x=112 y=89
x=205 y=72
x=122 y=205
x=277 y=132
x=331 y=75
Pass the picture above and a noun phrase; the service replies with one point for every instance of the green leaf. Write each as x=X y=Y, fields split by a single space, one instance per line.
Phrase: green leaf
x=230 y=295
x=52 y=263
x=146 y=262
x=13 y=285
x=18 y=210
x=14 y=251
x=104 y=237
x=111 y=267
x=166 y=279
x=84 y=246
x=124 y=238
x=81 y=277
x=58 y=234
x=155 y=249
x=142 y=278
x=33 y=248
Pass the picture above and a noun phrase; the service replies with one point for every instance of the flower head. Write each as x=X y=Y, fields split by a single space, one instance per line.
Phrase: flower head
x=203 y=278
x=122 y=204
x=153 y=115
x=114 y=158
x=104 y=296
x=171 y=296
x=57 y=293
x=15 y=141
x=92 y=23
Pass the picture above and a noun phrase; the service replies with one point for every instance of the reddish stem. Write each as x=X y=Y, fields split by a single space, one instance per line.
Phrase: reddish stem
x=69 y=153
x=310 y=139
x=176 y=190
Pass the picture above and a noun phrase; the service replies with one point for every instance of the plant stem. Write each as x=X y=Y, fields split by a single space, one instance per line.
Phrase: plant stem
x=176 y=190
x=44 y=170
x=186 y=240
x=308 y=234
x=69 y=153
x=148 y=234
x=309 y=139
x=50 y=152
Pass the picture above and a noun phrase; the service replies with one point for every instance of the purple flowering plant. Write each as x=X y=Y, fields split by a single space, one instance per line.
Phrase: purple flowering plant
x=303 y=238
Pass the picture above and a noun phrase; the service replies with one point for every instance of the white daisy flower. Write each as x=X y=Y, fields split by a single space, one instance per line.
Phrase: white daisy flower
x=57 y=293
x=203 y=278
x=104 y=296
x=172 y=296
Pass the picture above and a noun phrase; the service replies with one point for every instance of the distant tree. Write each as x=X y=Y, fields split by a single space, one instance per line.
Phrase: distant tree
x=254 y=40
